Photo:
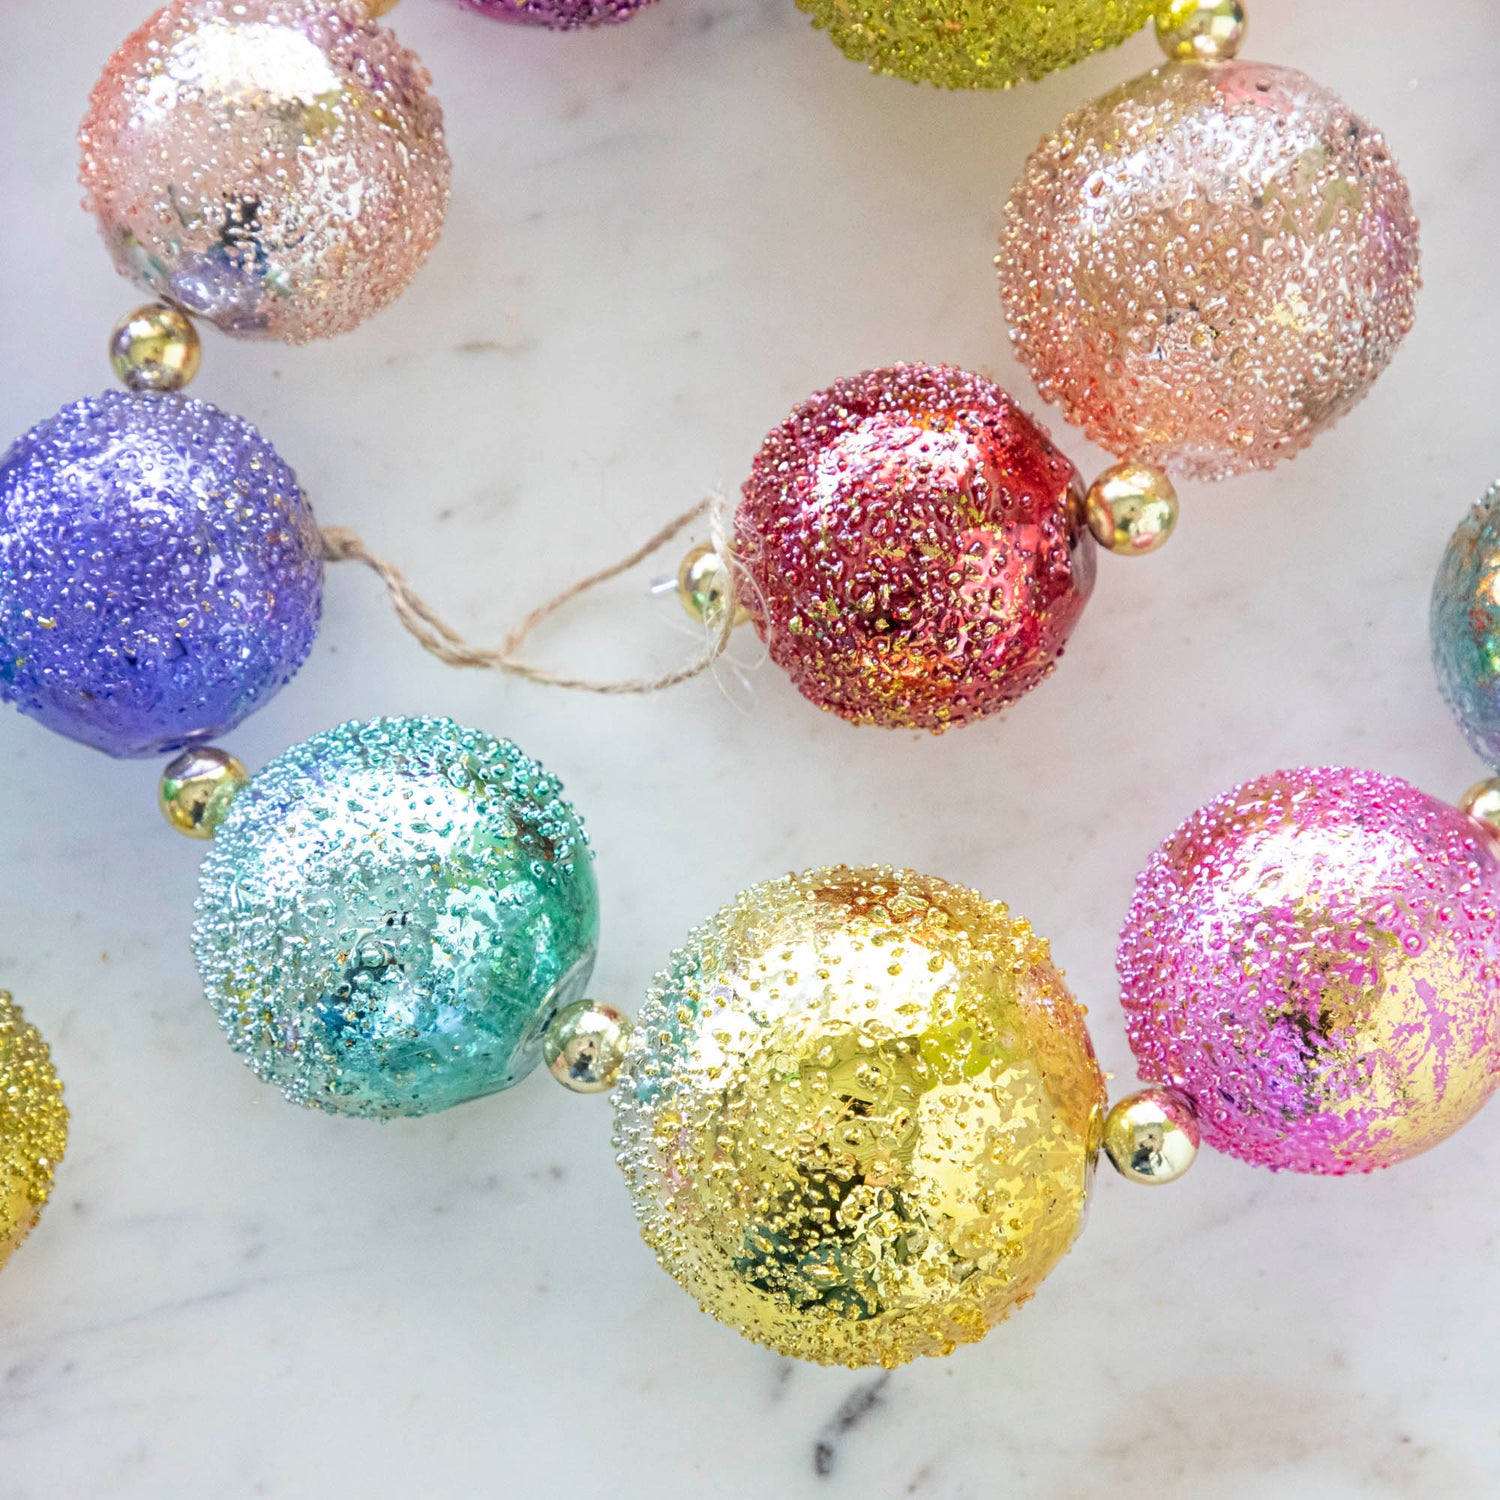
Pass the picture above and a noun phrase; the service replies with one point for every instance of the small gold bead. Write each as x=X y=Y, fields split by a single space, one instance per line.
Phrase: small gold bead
x=704 y=581
x=1131 y=509
x=377 y=8
x=1152 y=1137
x=155 y=348
x=1482 y=803
x=584 y=1046
x=197 y=788
x=1201 y=30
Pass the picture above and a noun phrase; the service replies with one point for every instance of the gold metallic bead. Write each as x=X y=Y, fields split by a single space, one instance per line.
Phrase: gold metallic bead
x=197 y=788
x=377 y=8
x=155 y=348
x=1201 y=30
x=1152 y=1137
x=585 y=1045
x=704 y=581
x=1483 y=803
x=1131 y=509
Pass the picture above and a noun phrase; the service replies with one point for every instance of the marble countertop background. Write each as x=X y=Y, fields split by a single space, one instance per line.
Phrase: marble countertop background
x=663 y=236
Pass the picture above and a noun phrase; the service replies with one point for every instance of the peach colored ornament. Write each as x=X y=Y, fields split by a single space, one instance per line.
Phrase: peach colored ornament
x=276 y=166
x=1210 y=265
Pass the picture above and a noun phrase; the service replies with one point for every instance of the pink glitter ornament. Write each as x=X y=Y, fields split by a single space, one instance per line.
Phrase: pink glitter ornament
x=276 y=166
x=1314 y=960
x=1210 y=265
x=915 y=548
x=559 y=15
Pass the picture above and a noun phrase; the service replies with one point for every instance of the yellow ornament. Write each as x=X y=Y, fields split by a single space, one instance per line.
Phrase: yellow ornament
x=975 y=44
x=860 y=1115
x=33 y=1125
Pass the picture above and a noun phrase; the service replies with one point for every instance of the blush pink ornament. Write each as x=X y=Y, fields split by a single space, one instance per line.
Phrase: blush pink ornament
x=914 y=549
x=1313 y=960
x=275 y=166
x=1210 y=265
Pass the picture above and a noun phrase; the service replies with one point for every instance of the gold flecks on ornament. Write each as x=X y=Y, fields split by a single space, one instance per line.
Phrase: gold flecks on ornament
x=1201 y=30
x=155 y=348
x=584 y=1046
x=1482 y=803
x=33 y=1125
x=197 y=787
x=859 y=1115
x=1132 y=509
x=1152 y=1137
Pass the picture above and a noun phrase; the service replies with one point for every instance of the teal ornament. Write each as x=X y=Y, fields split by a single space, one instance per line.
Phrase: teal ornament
x=1466 y=626
x=392 y=913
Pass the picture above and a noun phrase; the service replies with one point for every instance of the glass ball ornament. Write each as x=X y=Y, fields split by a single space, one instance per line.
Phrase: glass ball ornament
x=912 y=548
x=859 y=1115
x=33 y=1126
x=1465 y=626
x=1209 y=266
x=1313 y=961
x=161 y=574
x=975 y=44
x=392 y=913
x=559 y=15
x=275 y=166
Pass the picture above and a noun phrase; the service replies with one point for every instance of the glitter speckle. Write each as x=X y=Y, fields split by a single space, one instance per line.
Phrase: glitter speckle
x=1466 y=626
x=1209 y=265
x=277 y=166
x=1314 y=960
x=161 y=575
x=391 y=913
x=33 y=1126
x=859 y=1115
x=916 y=548
x=975 y=44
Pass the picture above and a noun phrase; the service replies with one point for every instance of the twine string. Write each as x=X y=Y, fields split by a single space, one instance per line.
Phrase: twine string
x=440 y=639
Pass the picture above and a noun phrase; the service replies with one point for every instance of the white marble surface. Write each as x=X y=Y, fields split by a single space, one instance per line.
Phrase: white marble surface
x=661 y=238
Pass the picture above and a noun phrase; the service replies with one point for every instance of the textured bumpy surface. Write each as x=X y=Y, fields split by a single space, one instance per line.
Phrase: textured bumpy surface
x=33 y=1126
x=859 y=1115
x=391 y=914
x=161 y=575
x=915 y=548
x=975 y=44
x=277 y=166
x=559 y=15
x=1466 y=626
x=1314 y=960
x=1210 y=265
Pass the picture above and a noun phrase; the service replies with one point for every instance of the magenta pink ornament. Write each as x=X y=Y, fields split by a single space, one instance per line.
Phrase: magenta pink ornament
x=559 y=15
x=914 y=548
x=275 y=166
x=1313 y=959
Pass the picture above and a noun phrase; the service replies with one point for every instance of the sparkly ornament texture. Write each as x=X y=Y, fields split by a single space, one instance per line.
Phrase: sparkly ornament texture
x=975 y=44
x=559 y=15
x=1209 y=265
x=1313 y=959
x=33 y=1126
x=391 y=914
x=161 y=575
x=915 y=548
x=277 y=166
x=859 y=1115
x=1466 y=626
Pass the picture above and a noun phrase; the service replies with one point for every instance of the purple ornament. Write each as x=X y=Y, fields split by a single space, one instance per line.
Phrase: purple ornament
x=161 y=574
x=1314 y=960
x=559 y=15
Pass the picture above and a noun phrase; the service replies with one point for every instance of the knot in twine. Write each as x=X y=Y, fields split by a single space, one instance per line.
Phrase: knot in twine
x=439 y=639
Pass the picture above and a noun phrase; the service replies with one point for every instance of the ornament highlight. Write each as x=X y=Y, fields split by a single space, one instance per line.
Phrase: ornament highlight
x=1313 y=960
x=161 y=574
x=978 y=44
x=33 y=1126
x=915 y=547
x=859 y=1115
x=275 y=166
x=155 y=348
x=1465 y=625
x=392 y=913
x=1209 y=266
